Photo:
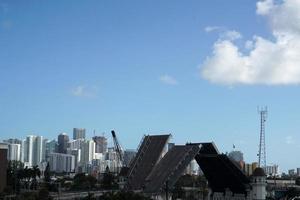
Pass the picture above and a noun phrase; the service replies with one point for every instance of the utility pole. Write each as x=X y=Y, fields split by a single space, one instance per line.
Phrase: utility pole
x=262 y=144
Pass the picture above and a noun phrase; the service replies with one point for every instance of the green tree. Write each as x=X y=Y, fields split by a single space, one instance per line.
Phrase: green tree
x=43 y=193
x=13 y=171
x=81 y=182
x=47 y=177
x=107 y=180
x=34 y=172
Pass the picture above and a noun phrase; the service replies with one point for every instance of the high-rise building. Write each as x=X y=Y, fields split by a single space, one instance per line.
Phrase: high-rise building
x=3 y=165
x=87 y=152
x=236 y=156
x=76 y=144
x=38 y=150
x=192 y=168
x=32 y=150
x=63 y=140
x=298 y=171
x=60 y=162
x=101 y=144
x=272 y=170
x=129 y=154
x=14 y=152
x=77 y=155
x=51 y=147
x=291 y=172
x=249 y=168
x=78 y=133
x=13 y=141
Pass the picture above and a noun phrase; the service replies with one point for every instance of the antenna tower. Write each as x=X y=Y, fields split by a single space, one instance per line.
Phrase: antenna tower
x=262 y=144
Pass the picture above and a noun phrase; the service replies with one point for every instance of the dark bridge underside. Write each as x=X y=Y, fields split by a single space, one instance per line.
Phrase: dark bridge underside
x=151 y=176
x=222 y=173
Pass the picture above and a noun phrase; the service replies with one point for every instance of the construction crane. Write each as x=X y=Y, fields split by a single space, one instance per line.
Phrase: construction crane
x=118 y=149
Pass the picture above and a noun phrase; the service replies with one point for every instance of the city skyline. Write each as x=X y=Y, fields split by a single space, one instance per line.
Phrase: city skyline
x=154 y=68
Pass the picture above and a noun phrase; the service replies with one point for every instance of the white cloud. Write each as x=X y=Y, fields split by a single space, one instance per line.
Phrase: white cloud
x=231 y=35
x=212 y=28
x=167 y=79
x=264 y=7
x=289 y=140
x=84 y=91
x=270 y=62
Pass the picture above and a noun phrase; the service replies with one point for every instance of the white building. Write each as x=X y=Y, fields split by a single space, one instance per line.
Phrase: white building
x=272 y=170
x=76 y=144
x=259 y=184
x=78 y=133
x=14 y=152
x=77 y=155
x=192 y=168
x=87 y=152
x=237 y=156
x=32 y=150
x=61 y=162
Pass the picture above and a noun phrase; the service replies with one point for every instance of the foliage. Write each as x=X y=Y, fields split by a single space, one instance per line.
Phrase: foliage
x=82 y=182
x=47 y=177
x=28 y=196
x=43 y=193
x=17 y=176
x=108 y=180
x=13 y=175
x=189 y=181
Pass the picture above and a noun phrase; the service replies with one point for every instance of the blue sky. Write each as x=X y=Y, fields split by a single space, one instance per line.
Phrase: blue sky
x=152 y=67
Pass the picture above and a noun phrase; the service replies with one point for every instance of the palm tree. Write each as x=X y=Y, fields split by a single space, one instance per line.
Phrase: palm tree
x=35 y=172
x=26 y=175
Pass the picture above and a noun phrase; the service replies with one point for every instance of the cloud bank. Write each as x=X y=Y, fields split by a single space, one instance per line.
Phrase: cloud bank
x=267 y=62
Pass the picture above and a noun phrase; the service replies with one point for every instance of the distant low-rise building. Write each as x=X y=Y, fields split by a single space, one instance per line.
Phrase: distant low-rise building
x=272 y=170
x=62 y=162
x=249 y=168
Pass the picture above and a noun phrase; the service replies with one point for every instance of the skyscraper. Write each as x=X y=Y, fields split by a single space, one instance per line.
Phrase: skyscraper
x=238 y=157
x=14 y=152
x=78 y=133
x=51 y=147
x=13 y=141
x=87 y=152
x=129 y=154
x=63 y=140
x=101 y=144
x=32 y=150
